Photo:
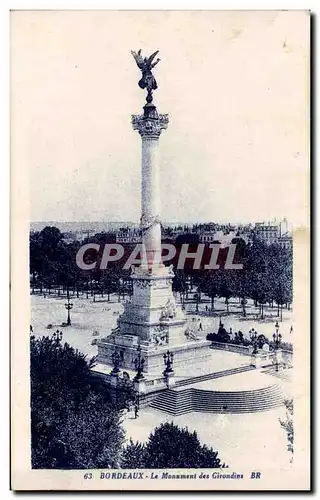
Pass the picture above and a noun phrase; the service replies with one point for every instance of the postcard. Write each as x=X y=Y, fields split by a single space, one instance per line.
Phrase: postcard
x=160 y=213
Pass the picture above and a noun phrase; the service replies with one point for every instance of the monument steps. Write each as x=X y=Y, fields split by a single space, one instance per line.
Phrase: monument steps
x=281 y=374
x=211 y=376
x=198 y=400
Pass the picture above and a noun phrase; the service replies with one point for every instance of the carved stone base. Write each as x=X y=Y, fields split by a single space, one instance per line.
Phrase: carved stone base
x=152 y=313
x=153 y=320
x=187 y=353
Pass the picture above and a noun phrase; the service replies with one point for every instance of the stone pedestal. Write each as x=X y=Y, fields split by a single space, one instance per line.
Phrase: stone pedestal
x=113 y=380
x=140 y=386
x=256 y=360
x=169 y=380
x=278 y=357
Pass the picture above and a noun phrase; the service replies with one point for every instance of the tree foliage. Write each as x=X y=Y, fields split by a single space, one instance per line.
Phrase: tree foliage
x=73 y=423
x=266 y=275
x=287 y=425
x=169 y=446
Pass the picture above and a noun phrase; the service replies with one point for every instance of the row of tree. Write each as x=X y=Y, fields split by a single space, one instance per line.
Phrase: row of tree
x=53 y=267
x=266 y=276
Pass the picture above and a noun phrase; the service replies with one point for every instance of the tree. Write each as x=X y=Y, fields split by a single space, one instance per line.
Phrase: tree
x=73 y=422
x=287 y=425
x=280 y=272
x=109 y=282
x=92 y=435
x=226 y=288
x=257 y=275
x=169 y=446
x=211 y=284
x=133 y=456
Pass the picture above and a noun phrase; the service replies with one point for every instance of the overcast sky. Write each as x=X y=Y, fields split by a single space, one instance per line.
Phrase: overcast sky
x=235 y=85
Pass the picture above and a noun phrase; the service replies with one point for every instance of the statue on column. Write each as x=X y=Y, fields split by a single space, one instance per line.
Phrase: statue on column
x=146 y=65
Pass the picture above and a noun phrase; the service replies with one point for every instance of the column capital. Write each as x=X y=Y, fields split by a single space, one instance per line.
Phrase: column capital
x=150 y=126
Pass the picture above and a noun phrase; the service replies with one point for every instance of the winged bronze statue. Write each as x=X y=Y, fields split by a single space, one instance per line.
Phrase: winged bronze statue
x=146 y=65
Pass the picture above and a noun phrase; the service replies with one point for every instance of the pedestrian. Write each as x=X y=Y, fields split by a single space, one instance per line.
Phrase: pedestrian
x=200 y=326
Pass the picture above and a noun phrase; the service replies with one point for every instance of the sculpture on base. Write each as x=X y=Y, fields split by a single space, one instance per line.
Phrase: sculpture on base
x=146 y=64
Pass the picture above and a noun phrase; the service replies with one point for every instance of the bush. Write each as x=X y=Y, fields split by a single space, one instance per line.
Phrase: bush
x=169 y=446
x=216 y=337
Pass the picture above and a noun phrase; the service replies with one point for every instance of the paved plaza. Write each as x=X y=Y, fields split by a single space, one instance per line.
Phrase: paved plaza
x=231 y=435
x=247 y=381
x=101 y=316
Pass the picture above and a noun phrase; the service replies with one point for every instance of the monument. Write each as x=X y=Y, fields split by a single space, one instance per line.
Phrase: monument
x=152 y=324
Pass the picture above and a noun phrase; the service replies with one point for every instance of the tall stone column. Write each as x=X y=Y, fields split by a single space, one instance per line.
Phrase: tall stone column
x=150 y=126
x=151 y=319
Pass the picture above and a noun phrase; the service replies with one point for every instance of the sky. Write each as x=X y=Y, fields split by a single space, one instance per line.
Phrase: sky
x=235 y=86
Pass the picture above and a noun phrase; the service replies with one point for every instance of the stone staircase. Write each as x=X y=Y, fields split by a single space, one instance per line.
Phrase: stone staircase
x=280 y=373
x=199 y=400
x=147 y=399
x=211 y=376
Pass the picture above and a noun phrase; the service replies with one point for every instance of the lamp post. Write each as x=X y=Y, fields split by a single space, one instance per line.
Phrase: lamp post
x=57 y=336
x=95 y=283
x=139 y=363
x=168 y=361
x=277 y=336
x=197 y=299
x=116 y=363
x=277 y=343
x=253 y=337
x=68 y=305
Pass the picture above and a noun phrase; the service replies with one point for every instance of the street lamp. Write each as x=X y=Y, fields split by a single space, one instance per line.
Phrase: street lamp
x=277 y=342
x=68 y=305
x=95 y=283
x=116 y=363
x=168 y=361
x=57 y=336
x=253 y=337
x=277 y=336
x=139 y=363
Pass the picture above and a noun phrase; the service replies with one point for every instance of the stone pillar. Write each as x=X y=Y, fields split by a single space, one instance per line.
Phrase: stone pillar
x=169 y=380
x=113 y=380
x=140 y=386
x=278 y=358
x=256 y=360
x=150 y=126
